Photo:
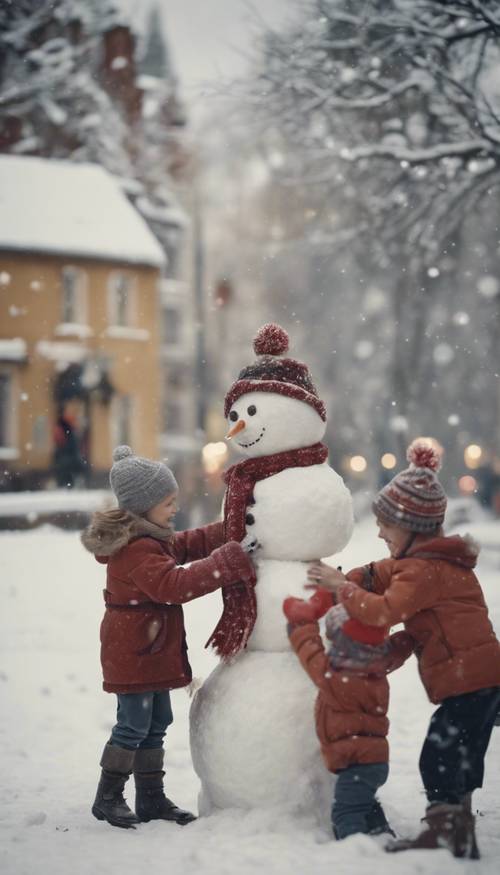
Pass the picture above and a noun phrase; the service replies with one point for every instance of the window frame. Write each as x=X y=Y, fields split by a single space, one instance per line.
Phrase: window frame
x=177 y=341
x=131 y=314
x=10 y=449
x=80 y=304
x=117 y=435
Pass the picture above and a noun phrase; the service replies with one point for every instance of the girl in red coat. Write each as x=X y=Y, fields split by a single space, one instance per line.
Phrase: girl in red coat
x=429 y=585
x=143 y=642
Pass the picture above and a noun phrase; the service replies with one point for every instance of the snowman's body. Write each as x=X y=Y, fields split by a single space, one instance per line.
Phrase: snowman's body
x=253 y=736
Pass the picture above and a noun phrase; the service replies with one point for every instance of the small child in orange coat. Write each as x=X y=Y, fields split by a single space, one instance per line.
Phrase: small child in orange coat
x=351 y=707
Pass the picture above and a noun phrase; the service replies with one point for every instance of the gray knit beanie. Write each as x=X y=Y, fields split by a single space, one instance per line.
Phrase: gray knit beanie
x=139 y=484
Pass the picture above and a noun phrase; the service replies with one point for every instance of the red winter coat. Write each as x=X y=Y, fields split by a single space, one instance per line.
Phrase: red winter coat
x=351 y=709
x=143 y=641
x=435 y=593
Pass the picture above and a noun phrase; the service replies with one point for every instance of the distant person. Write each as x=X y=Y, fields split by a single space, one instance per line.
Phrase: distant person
x=488 y=487
x=429 y=585
x=143 y=642
x=68 y=461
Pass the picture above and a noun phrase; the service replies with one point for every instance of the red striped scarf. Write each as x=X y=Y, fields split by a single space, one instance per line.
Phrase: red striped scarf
x=239 y=603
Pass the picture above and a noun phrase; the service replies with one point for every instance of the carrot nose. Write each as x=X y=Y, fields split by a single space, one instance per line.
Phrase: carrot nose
x=239 y=426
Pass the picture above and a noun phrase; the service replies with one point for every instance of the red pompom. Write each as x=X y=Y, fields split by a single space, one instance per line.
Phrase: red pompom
x=423 y=455
x=271 y=339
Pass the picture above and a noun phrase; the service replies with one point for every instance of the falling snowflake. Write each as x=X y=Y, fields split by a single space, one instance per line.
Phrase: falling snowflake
x=461 y=318
x=398 y=424
x=487 y=286
x=443 y=354
x=364 y=349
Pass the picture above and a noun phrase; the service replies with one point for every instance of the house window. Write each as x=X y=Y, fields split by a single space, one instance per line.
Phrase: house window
x=6 y=412
x=177 y=376
x=122 y=419
x=121 y=292
x=172 y=325
x=172 y=417
x=172 y=247
x=73 y=304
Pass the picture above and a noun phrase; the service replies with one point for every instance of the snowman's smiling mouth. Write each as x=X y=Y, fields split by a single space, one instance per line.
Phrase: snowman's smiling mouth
x=251 y=444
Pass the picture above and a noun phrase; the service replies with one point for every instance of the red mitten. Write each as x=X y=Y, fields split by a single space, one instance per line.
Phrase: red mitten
x=301 y=611
x=322 y=600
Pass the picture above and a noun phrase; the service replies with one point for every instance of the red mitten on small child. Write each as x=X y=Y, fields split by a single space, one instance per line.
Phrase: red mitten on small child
x=302 y=611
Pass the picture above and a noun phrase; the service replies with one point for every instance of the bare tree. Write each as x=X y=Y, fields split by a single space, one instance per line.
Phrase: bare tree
x=388 y=112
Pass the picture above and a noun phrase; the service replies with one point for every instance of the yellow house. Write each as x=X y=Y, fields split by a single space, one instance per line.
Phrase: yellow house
x=79 y=275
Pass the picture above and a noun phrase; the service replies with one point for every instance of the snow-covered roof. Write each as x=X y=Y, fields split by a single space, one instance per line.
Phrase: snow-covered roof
x=60 y=207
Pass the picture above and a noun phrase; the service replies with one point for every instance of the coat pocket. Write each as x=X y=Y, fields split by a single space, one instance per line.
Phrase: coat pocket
x=155 y=630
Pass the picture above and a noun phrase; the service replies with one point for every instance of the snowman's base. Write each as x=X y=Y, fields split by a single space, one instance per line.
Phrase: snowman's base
x=253 y=738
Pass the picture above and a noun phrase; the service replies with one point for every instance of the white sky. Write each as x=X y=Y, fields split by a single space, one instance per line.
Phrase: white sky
x=209 y=38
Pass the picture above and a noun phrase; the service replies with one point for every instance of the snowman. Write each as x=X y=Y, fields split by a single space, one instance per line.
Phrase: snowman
x=253 y=738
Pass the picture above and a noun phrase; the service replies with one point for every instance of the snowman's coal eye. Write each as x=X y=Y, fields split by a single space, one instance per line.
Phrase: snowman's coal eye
x=233 y=416
x=252 y=410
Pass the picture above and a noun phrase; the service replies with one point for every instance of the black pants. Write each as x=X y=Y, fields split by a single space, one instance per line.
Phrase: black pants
x=452 y=759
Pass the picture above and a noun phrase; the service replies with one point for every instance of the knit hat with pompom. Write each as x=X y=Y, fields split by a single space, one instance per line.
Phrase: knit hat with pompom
x=139 y=484
x=414 y=499
x=272 y=373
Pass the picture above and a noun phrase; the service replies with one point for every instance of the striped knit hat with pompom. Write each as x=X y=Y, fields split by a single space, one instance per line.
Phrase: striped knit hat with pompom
x=274 y=373
x=414 y=499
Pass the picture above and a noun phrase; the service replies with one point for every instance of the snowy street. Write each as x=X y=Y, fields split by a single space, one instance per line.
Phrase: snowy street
x=56 y=720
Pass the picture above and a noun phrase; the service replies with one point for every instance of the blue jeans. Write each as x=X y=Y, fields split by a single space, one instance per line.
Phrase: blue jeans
x=354 y=798
x=452 y=758
x=141 y=720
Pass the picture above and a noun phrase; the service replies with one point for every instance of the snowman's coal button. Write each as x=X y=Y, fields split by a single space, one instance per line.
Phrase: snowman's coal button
x=249 y=519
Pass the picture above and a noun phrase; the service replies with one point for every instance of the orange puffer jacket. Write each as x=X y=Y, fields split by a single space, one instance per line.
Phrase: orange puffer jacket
x=435 y=593
x=350 y=710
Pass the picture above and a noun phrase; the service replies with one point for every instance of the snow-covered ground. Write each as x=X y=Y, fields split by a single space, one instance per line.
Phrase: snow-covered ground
x=55 y=721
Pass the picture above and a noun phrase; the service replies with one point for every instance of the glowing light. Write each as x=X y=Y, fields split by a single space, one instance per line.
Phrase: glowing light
x=467 y=484
x=214 y=456
x=388 y=461
x=357 y=464
x=472 y=455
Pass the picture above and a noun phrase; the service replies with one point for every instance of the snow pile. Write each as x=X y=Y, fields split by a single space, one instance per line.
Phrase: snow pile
x=54 y=501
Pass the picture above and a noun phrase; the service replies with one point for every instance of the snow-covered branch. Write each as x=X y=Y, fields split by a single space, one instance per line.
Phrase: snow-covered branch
x=419 y=156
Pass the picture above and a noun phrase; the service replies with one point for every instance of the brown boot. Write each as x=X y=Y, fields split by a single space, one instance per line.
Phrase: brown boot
x=447 y=826
x=150 y=800
x=471 y=821
x=117 y=764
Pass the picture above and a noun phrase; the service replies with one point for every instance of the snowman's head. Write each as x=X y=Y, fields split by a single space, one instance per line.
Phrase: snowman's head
x=263 y=423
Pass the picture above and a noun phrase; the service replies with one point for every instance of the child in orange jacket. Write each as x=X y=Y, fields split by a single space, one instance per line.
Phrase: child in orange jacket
x=429 y=585
x=351 y=706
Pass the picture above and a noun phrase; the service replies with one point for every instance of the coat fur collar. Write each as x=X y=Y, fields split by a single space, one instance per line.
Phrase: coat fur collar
x=455 y=549
x=111 y=530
